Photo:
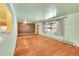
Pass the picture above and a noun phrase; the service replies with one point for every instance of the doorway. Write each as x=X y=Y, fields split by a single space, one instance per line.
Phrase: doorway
x=37 y=29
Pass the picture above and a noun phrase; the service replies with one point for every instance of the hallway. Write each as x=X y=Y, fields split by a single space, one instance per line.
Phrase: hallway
x=37 y=45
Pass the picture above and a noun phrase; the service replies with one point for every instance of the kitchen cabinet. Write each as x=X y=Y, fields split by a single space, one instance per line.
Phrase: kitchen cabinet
x=26 y=28
x=5 y=18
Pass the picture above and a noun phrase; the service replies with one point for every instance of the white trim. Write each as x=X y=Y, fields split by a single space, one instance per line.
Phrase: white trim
x=71 y=43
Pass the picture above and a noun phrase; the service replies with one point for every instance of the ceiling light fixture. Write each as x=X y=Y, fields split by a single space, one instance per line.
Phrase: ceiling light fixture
x=25 y=20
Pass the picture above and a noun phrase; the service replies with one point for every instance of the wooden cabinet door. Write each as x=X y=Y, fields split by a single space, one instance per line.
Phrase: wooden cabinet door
x=21 y=28
x=31 y=28
x=26 y=28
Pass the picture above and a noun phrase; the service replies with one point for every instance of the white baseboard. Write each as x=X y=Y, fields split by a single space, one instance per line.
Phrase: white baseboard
x=64 y=41
x=71 y=43
x=75 y=44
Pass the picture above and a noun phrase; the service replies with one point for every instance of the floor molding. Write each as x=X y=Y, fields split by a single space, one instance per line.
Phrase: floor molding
x=64 y=41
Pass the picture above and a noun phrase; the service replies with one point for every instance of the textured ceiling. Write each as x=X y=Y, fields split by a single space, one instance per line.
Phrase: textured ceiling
x=39 y=11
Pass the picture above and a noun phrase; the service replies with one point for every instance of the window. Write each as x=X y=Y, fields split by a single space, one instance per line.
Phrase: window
x=55 y=27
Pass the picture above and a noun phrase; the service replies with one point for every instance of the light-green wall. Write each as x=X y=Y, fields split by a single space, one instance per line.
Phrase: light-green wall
x=8 y=45
x=71 y=29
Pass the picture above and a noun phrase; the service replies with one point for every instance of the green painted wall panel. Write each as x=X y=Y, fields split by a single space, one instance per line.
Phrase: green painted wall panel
x=71 y=29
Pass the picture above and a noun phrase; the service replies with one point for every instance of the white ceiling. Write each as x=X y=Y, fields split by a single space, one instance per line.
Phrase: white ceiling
x=39 y=11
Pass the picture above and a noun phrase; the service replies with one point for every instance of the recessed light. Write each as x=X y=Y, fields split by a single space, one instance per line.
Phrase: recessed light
x=25 y=22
